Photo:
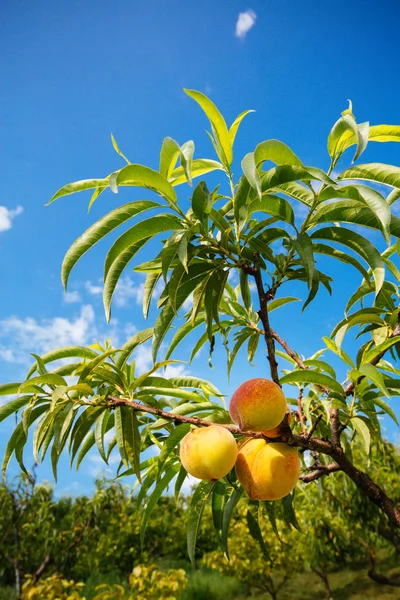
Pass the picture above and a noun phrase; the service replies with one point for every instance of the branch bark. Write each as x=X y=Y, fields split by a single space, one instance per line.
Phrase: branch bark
x=263 y=314
x=378 y=577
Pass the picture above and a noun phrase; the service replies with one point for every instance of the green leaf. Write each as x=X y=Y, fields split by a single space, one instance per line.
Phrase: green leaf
x=125 y=248
x=288 y=511
x=182 y=332
x=63 y=352
x=196 y=509
x=235 y=125
x=201 y=201
x=88 y=443
x=254 y=527
x=227 y=516
x=278 y=175
x=245 y=288
x=343 y=127
x=168 y=313
x=78 y=186
x=277 y=152
x=314 y=378
x=362 y=429
x=15 y=443
x=297 y=192
x=304 y=247
x=200 y=166
x=100 y=358
x=359 y=244
x=374 y=352
x=48 y=379
x=250 y=170
x=170 y=152
x=117 y=149
x=7 y=389
x=179 y=483
x=384 y=406
x=13 y=406
x=274 y=304
x=217 y=506
x=381 y=173
x=339 y=255
x=131 y=434
x=367 y=196
x=139 y=175
x=100 y=431
x=240 y=340
x=81 y=428
x=378 y=133
x=100 y=229
x=375 y=376
x=362 y=316
x=187 y=151
x=136 y=340
x=154 y=498
x=273 y=205
x=174 y=438
x=141 y=231
x=334 y=348
x=149 y=287
x=321 y=365
x=218 y=124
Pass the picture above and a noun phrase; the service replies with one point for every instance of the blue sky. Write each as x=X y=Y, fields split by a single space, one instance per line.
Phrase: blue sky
x=73 y=72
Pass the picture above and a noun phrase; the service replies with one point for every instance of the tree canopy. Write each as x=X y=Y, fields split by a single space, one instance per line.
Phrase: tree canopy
x=73 y=396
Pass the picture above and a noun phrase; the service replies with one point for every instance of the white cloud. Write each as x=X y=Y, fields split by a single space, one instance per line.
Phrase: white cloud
x=143 y=358
x=127 y=290
x=246 y=20
x=175 y=371
x=93 y=289
x=18 y=336
x=72 y=297
x=7 y=215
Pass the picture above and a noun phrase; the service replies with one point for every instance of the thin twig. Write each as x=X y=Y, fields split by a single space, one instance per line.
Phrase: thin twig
x=319 y=472
x=314 y=427
x=300 y=411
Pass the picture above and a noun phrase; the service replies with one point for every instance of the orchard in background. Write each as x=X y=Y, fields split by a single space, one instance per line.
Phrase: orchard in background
x=252 y=226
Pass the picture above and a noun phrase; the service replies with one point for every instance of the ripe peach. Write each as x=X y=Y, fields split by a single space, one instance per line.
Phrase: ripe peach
x=276 y=431
x=267 y=471
x=208 y=452
x=258 y=405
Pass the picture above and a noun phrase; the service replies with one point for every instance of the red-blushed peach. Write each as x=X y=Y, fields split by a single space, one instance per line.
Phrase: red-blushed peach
x=276 y=431
x=208 y=452
x=258 y=405
x=267 y=471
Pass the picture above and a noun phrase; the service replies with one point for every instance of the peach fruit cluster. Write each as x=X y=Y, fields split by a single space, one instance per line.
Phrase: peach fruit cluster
x=266 y=470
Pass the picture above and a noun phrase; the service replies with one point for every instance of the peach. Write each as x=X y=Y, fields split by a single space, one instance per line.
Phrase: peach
x=276 y=431
x=267 y=471
x=208 y=452
x=258 y=405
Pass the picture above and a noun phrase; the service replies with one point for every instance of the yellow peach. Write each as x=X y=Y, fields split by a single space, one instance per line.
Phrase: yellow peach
x=267 y=471
x=208 y=452
x=276 y=431
x=258 y=405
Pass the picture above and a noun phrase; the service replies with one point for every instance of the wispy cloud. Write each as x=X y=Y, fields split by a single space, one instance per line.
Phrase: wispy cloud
x=128 y=290
x=7 y=215
x=72 y=297
x=246 y=20
x=19 y=336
